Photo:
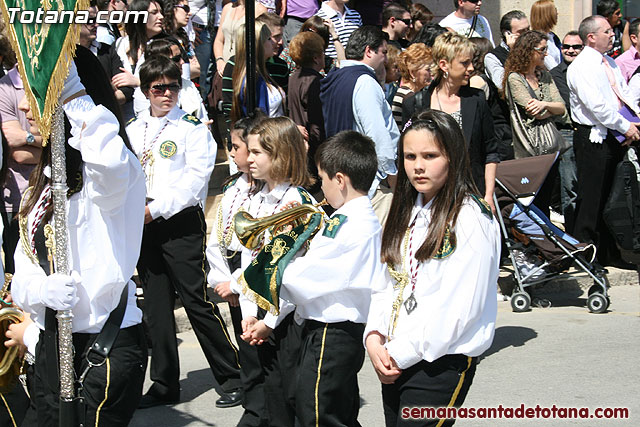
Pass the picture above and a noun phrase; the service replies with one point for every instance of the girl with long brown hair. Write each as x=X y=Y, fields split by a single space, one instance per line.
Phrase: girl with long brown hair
x=435 y=312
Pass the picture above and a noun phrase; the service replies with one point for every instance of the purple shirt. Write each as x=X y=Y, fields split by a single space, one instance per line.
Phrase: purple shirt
x=11 y=92
x=302 y=9
x=628 y=62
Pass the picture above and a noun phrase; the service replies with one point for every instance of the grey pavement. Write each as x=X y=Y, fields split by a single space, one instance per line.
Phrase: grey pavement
x=561 y=355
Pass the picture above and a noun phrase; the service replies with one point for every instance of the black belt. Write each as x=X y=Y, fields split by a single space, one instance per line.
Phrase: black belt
x=297 y=18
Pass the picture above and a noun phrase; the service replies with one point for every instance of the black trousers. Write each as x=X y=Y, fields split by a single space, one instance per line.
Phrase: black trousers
x=10 y=239
x=112 y=390
x=327 y=390
x=252 y=377
x=441 y=383
x=596 y=165
x=13 y=406
x=279 y=361
x=172 y=261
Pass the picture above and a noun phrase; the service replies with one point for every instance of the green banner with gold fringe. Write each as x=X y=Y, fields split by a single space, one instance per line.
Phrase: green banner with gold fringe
x=262 y=279
x=44 y=36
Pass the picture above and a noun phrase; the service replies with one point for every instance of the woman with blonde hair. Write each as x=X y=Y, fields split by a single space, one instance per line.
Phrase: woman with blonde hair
x=414 y=64
x=450 y=92
x=544 y=17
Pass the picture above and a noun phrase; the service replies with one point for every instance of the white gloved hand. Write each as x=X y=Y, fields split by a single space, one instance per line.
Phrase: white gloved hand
x=72 y=84
x=59 y=291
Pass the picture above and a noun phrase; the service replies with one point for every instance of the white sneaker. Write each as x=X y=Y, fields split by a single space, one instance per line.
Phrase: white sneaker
x=503 y=297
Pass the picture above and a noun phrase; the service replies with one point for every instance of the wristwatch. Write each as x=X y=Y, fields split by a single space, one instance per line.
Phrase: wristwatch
x=30 y=138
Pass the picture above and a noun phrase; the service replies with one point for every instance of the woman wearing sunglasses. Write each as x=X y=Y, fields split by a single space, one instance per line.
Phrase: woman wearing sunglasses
x=177 y=154
x=525 y=75
x=177 y=14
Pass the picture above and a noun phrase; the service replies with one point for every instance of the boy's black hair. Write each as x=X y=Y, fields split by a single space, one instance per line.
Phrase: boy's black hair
x=157 y=67
x=352 y=154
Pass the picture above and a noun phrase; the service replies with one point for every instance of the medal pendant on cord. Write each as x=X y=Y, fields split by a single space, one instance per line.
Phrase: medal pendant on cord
x=410 y=304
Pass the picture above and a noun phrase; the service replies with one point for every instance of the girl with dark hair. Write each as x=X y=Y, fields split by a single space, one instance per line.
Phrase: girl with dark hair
x=435 y=312
x=610 y=9
x=176 y=15
x=105 y=201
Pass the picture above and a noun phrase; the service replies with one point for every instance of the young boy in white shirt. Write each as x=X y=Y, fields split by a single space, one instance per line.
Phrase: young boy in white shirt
x=331 y=284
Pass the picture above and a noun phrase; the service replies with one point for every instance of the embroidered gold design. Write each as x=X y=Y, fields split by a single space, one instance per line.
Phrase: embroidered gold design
x=447 y=246
x=168 y=149
x=278 y=248
x=23 y=225
x=50 y=244
x=333 y=222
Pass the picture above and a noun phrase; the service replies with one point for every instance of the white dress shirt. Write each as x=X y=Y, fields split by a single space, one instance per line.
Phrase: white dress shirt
x=456 y=296
x=593 y=101
x=332 y=282
x=266 y=203
x=180 y=180
x=234 y=197
x=104 y=222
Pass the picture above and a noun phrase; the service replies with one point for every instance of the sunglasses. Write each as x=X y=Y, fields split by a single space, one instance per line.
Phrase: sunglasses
x=572 y=46
x=158 y=90
x=540 y=49
x=474 y=1
x=184 y=7
x=176 y=58
x=407 y=21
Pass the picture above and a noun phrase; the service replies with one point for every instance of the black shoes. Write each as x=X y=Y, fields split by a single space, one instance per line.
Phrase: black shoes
x=150 y=400
x=230 y=399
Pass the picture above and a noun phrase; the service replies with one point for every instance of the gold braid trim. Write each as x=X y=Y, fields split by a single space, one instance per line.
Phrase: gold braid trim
x=257 y=299
x=23 y=224
x=59 y=75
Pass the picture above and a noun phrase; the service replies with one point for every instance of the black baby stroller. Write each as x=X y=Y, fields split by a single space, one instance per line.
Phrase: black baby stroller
x=540 y=251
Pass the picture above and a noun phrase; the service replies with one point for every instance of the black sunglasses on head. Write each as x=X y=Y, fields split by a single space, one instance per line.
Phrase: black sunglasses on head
x=161 y=89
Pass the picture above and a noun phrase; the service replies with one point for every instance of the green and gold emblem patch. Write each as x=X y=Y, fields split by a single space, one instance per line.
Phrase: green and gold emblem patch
x=168 y=149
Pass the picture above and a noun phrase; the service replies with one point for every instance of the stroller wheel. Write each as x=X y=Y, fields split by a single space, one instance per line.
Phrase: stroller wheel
x=597 y=303
x=520 y=302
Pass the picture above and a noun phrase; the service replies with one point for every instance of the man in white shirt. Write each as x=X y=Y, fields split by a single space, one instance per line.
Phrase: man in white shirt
x=597 y=93
x=466 y=20
x=344 y=20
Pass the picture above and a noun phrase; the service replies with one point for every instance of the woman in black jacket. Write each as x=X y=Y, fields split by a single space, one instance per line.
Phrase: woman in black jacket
x=450 y=92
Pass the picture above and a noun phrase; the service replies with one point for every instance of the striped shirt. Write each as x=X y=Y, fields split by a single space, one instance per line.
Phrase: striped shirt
x=345 y=25
x=396 y=105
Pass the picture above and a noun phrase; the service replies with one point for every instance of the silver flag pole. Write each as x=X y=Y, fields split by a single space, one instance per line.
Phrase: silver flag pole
x=65 y=317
